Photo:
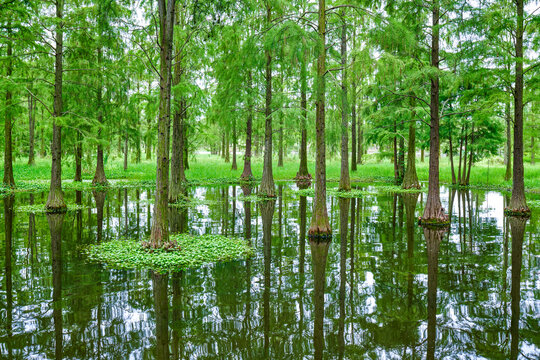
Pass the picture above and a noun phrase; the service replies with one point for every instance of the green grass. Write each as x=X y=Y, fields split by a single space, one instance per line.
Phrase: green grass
x=209 y=169
x=194 y=251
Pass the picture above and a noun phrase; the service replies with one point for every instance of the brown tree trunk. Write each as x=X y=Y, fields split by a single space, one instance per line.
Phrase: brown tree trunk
x=227 y=148
x=42 y=151
x=517 y=226
x=31 y=129
x=344 y=179
x=234 y=166
x=160 y=225
x=434 y=210
x=9 y=180
x=410 y=178
x=518 y=203
x=395 y=155
x=280 y=151
x=247 y=174
x=99 y=176
x=267 y=182
x=471 y=158
x=55 y=200
x=303 y=172
x=320 y=224
x=185 y=144
x=422 y=154
x=353 y=109
x=78 y=158
x=508 y=147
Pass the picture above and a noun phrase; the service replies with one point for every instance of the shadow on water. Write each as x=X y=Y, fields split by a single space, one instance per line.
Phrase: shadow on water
x=383 y=288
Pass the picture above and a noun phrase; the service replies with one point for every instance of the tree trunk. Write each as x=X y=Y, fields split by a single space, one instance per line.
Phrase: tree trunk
x=401 y=159
x=99 y=176
x=247 y=174
x=518 y=203
x=508 y=155
x=344 y=179
x=303 y=172
x=160 y=225
x=471 y=158
x=55 y=200
x=280 y=152
x=463 y=175
x=78 y=158
x=9 y=180
x=177 y=153
x=319 y=255
x=395 y=155
x=185 y=148
x=126 y=143
x=353 y=109
x=433 y=241
x=31 y=129
x=320 y=224
x=452 y=159
x=234 y=166
x=161 y=310
x=410 y=178
x=422 y=155
x=517 y=226
x=227 y=148
x=434 y=210
x=267 y=182
x=42 y=151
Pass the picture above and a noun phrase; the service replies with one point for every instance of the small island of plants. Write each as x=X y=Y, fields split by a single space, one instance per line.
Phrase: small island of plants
x=190 y=251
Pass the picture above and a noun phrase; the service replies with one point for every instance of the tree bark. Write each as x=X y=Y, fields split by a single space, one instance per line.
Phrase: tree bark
x=280 y=152
x=234 y=166
x=160 y=225
x=247 y=174
x=126 y=143
x=434 y=210
x=360 y=125
x=320 y=224
x=99 y=176
x=9 y=180
x=55 y=200
x=410 y=178
x=31 y=129
x=267 y=182
x=518 y=203
x=344 y=179
x=303 y=172
x=353 y=109
x=508 y=148
x=227 y=148
x=78 y=158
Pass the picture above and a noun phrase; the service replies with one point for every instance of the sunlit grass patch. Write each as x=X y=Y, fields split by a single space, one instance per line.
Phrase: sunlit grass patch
x=40 y=208
x=194 y=251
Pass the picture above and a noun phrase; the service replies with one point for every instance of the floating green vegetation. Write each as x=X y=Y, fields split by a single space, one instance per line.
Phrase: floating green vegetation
x=40 y=208
x=354 y=193
x=194 y=251
x=192 y=202
x=252 y=198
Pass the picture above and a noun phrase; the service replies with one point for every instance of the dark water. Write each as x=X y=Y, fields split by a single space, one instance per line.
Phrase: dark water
x=383 y=288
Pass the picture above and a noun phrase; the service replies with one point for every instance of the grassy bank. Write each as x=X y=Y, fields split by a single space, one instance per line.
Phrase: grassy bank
x=212 y=169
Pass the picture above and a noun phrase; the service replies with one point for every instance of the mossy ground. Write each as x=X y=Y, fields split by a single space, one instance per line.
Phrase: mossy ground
x=194 y=251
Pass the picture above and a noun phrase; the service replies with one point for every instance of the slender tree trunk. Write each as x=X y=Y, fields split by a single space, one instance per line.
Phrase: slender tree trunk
x=320 y=224
x=518 y=203
x=471 y=158
x=410 y=178
x=463 y=175
x=344 y=179
x=303 y=172
x=395 y=155
x=508 y=155
x=223 y=145
x=247 y=173
x=280 y=152
x=78 y=158
x=160 y=226
x=99 y=176
x=227 y=148
x=31 y=129
x=267 y=182
x=401 y=159
x=177 y=154
x=434 y=210
x=55 y=200
x=460 y=155
x=9 y=180
x=126 y=143
x=42 y=151
x=234 y=166
x=452 y=159
x=422 y=154
x=149 y=125
x=185 y=144
x=353 y=109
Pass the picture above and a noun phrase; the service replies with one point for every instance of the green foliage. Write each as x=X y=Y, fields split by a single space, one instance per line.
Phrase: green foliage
x=194 y=251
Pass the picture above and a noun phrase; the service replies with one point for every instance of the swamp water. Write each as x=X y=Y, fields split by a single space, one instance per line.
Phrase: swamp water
x=382 y=288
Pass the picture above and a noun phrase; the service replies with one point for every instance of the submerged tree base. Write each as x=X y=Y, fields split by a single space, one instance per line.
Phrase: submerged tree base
x=434 y=223
x=188 y=251
x=523 y=212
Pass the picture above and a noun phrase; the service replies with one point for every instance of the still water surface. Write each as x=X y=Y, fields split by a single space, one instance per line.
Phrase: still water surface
x=383 y=288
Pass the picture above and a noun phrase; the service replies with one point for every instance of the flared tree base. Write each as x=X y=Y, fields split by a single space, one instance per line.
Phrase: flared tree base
x=523 y=212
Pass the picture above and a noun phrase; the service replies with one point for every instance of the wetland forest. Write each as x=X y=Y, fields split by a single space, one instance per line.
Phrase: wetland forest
x=270 y=179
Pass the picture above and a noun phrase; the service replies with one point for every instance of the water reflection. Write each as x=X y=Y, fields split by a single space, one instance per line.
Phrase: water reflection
x=377 y=292
x=56 y=221
x=517 y=226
